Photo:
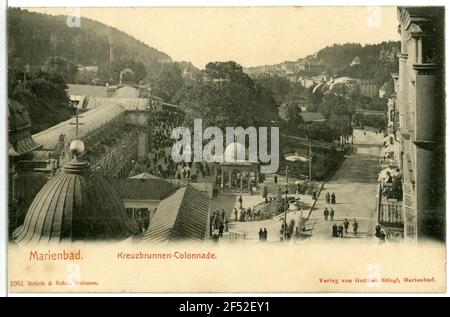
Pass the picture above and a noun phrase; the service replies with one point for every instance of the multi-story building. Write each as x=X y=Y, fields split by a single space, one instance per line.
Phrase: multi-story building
x=368 y=88
x=419 y=122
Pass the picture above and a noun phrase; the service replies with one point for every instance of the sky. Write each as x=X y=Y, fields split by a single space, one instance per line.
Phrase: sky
x=251 y=36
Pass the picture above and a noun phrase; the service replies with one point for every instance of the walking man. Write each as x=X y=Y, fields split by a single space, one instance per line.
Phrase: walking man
x=221 y=227
x=333 y=198
x=327 y=198
x=346 y=224
x=334 y=230
x=240 y=201
x=325 y=214
x=341 y=230
x=331 y=214
x=355 y=227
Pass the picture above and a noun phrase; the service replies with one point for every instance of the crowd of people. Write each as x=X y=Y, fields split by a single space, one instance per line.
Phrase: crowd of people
x=339 y=230
x=392 y=185
x=249 y=214
x=159 y=162
x=289 y=231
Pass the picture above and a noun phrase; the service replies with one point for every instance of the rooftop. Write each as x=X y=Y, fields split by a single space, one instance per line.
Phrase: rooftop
x=75 y=205
x=126 y=103
x=183 y=216
x=92 y=120
x=142 y=189
x=87 y=90
x=126 y=92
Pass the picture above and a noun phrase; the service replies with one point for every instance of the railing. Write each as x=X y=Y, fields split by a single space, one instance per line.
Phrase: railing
x=390 y=212
x=235 y=236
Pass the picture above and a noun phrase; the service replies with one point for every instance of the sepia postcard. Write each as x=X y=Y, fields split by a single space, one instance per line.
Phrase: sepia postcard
x=226 y=149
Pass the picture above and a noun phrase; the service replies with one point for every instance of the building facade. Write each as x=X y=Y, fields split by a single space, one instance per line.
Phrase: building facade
x=368 y=88
x=420 y=106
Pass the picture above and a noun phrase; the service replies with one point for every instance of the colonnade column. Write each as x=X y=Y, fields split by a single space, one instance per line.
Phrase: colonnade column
x=429 y=165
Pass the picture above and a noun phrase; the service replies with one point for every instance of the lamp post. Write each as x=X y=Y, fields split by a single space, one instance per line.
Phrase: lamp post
x=310 y=164
x=286 y=205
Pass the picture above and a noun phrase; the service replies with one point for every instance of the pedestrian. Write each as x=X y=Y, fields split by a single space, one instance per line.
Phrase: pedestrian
x=378 y=231
x=346 y=224
x=355 y=227
x=325 y=214
x=242 y=218
x=225 y=222
x=341 y=230
x=334 y=230
x=333 y=198
x=248 y=215
x=327 y=198
x=240 y=201
x=276 y=179
x=221 y=227
x=265 y=234
x=261 y=234
x=382 y=237
x=331 y=214
x=236 y=214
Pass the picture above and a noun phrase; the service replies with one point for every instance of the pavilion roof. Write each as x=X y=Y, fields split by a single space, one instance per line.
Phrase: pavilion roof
x=183 y=216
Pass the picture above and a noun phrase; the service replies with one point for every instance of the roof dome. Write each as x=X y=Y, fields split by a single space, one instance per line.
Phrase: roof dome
x=125 y=92
x=235 y=151
x=75 y=205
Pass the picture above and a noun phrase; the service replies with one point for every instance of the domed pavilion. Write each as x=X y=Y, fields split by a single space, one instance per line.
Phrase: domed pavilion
x=239 y=168
x=75 y=205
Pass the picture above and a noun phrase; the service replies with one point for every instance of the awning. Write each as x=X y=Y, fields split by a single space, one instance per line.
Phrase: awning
x=387 y=140
x=383 y=174
x=390 y=148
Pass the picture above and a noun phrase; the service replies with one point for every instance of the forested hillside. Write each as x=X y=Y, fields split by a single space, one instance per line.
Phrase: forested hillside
x=371 y=64
x=33 y=37
x=44 y=54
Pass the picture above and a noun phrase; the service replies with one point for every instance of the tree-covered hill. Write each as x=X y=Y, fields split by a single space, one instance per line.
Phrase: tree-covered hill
x=33 y=37
x=372 y=61
x=43 y=54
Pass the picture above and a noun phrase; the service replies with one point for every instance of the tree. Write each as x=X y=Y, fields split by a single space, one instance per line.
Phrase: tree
x=166 y=81
x=279 y=86
x=111 y=74
x=291 y=114
x=62 y=67
x=226 y=96
x=42 y=92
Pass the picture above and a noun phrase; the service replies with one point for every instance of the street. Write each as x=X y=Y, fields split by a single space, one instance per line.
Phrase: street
x=355 y=186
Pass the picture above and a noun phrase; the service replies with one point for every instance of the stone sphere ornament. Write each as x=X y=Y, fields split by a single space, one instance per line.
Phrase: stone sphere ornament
x=77 y=147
